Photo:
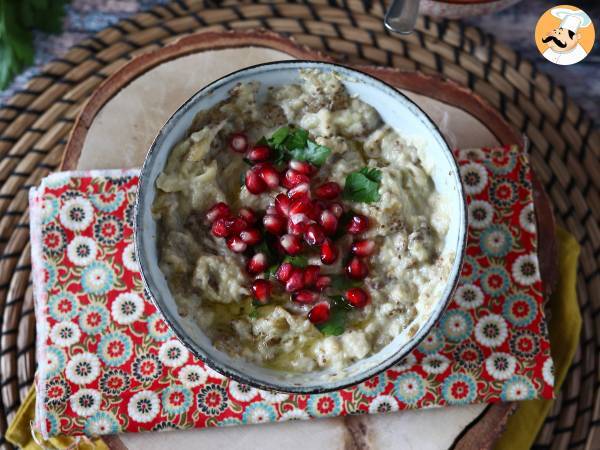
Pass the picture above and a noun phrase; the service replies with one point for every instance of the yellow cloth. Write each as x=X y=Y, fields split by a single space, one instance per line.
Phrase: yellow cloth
x=19 y=432
x=523 y=426
x=564 y=328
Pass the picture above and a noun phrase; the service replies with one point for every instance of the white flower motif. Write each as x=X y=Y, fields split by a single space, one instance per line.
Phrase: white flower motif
x=471 y=153
x=127 y=308
x=130 y=258
x=242 y=392
x=65 y=334
x=86 y=402
x=173 y=354
x=54 y=361
x=406 y=363
x=548 y=371
x=491 y=330
x=481 y=214
x=82 y=250
x=383 y=404
x=501 y=366
x=469 y=296
x=272 y=396
x=294 y=414
x=517 y=389
x=474 y=176
x=527 y=218
x=192 y=376
x=83 y=368
x=435 y=364
x=525 y=269
x=77 y=214
x=144 y=406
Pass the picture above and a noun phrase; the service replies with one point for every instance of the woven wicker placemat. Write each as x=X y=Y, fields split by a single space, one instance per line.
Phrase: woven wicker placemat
x=35 y=123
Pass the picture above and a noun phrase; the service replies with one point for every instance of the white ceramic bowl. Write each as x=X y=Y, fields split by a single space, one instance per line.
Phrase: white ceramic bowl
x=396 y=110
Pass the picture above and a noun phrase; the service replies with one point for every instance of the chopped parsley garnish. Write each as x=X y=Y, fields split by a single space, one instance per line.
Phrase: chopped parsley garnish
x=342 y=283
x=363 y=185
x=297 y=261
x=291 y=142
x=337 y=317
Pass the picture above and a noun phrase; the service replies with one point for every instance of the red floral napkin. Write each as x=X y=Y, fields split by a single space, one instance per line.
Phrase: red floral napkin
x=109 y=363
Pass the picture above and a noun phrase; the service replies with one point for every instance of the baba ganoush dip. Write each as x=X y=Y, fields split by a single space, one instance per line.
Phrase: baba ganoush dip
x=299 y=230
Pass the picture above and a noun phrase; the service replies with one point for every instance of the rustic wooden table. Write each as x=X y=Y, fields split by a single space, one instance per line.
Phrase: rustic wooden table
x=513 y=27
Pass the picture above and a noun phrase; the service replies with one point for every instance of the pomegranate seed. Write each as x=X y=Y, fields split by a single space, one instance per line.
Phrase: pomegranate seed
x=238 y=142
x=282 y=204
x=364 y=247
x=301 y=191
x=317 y=208
x=323 y=281
x=329 y=252
x=336 y=209
x=328 y=191
x=314 y=235
x=219 y=228
x=274 y=224
x=248 y=215
x=295 y=281
x=217 y=211
x=236 y=225
x=269 y=175
x=251 y=236
x=294 y=178
x=328 y=222
x=357 y=297
x=291 y=244
x=311 y=275
x=258 y=154
x=357 y=268
x=284 y=272
x=305 y=297
x=319 y=313
x=254 y=183
x=257 y=264
x=261 y=290
x=236 y=244
x=358 y=224
x=300 y=206
x=297 y=229
x=302 y=167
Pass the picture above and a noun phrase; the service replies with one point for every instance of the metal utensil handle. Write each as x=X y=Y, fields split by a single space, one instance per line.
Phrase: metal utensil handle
x=401 y=16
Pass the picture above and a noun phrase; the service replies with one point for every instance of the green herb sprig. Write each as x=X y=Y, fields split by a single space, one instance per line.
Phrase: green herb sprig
x=17 y=20
x=363 y=185
x=291 y=142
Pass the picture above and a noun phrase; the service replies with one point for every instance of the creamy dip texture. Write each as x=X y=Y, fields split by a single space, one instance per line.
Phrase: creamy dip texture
x=408 y=222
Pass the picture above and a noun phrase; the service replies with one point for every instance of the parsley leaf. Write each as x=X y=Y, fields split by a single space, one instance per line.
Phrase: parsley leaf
x=337 y=317
x=363 y=185
x=291 y=142
x=271 y=271
x=313 y=153
x=17 y=20
x=297 y=261
x=341 y=283
x=297 y=139
x=253 y=314
x=279 y=137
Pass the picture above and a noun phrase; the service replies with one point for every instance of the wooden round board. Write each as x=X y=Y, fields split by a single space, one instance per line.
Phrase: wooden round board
x=116 y=127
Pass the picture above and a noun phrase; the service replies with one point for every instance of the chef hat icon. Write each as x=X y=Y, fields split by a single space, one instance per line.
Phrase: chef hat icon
x=570 y=19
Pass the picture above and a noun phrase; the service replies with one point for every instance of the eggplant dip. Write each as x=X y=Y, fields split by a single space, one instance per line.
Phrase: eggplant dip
x=299 y=230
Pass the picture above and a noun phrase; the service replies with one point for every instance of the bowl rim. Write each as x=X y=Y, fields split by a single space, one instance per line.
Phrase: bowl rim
x=238 y=376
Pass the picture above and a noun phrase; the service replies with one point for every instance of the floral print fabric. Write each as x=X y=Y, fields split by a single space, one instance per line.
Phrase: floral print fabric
x=109 y=363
